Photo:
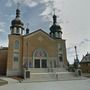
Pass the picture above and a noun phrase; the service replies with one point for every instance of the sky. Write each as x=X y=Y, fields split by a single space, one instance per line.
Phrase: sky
x=72 y=15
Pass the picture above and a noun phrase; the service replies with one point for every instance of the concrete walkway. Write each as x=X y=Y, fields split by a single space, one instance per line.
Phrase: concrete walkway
x=9 y=80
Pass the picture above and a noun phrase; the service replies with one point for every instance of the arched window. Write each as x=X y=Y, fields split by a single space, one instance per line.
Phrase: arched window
x=16 y=46
x=60 y=58
x=17 y=31
x=40 y=53
x=56 y=34
x=40 y=58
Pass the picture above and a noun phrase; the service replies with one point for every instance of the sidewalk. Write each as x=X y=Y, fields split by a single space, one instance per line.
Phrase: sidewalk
x=9 y=80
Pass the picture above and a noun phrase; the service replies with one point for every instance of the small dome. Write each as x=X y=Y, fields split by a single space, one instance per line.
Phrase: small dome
x=27 y=30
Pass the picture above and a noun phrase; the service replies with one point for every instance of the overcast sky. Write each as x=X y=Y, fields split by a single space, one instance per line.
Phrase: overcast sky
x=73 y=17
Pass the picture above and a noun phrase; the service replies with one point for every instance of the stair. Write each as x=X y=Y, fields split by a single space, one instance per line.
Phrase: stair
x=53 y=74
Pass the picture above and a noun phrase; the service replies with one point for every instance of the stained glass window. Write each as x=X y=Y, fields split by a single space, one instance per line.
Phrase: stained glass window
x=40 y=53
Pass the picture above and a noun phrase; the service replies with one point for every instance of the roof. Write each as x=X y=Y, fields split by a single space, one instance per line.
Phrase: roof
x=86 y=58
x=55 y=28
x=39 y=30
x=3 y=48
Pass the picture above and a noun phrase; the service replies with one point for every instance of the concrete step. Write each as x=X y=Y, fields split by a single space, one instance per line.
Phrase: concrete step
x=51 y=76
x=45 y=70
x=38 y=70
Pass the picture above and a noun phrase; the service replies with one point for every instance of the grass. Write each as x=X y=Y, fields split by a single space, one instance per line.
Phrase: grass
x=3 y=82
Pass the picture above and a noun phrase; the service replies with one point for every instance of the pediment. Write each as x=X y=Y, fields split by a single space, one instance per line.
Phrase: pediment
x=39 y=35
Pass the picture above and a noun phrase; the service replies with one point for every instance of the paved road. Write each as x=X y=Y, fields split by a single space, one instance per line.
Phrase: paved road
x=56 y=85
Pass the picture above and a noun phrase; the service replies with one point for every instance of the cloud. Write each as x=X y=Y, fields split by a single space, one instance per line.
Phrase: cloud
x=83 y=42
x=9 y=3
x=29 y=3
x=1 y=30
x=51 y=6
x=46 y=13
x=4 y=43
x=2 y=25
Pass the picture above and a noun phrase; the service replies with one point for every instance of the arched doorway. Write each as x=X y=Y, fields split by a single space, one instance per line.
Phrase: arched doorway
x=40 y=58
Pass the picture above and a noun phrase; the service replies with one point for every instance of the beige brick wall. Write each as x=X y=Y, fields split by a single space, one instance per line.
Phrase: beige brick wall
x=12 y=39
x=33 y=43
x=42 y=40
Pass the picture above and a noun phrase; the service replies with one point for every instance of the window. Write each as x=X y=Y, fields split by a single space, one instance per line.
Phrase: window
x=14 y=30
x=17 y=31
x=16 y=56
x=60 y=58
x=15 y=59
x=60 y=47
x=16 y=46
x=40 y=53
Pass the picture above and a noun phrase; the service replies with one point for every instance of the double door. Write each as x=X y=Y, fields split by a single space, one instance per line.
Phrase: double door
x=40 y=63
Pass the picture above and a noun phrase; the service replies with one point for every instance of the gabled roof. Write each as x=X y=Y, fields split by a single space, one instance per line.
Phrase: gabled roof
x=86 y=58
x=37 y=31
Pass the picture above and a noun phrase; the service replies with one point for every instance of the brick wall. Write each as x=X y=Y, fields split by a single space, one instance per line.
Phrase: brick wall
x=3 y=60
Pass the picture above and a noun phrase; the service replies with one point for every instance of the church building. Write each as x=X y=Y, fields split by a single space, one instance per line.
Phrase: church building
x=37 y=50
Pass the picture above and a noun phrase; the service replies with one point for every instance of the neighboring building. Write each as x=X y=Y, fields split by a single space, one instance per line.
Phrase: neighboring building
x=85 y=63
x=3 y=60
x=34 y=51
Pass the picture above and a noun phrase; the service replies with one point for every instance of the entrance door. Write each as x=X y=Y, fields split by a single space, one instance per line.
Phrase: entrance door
x=44 y=63
x=40 y=58
x=37 y=63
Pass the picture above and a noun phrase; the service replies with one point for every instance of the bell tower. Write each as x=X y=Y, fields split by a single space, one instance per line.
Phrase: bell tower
x=16 y=24
x=55 y=30
x=56 y=34
x=14 y=62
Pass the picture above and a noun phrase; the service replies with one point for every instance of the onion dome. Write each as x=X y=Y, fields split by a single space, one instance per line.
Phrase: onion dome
x=17 y=24
x=27 y=30
x=55 y=30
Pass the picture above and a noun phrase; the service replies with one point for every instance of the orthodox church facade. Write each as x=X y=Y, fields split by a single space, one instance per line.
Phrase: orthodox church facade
x=36 y=50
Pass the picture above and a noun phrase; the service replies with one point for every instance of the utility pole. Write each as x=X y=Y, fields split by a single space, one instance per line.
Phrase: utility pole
x=76 y=52
x=76 y=60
